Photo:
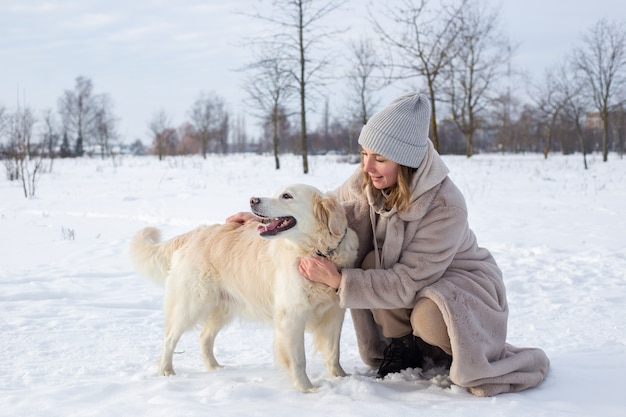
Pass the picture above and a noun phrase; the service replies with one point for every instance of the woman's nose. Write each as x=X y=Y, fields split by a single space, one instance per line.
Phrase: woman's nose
x=367 y=166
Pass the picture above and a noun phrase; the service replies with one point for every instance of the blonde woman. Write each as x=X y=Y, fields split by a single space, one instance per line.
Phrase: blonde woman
x=425 y=287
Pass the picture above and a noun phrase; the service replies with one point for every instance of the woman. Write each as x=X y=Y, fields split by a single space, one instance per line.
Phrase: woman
x=425 y=287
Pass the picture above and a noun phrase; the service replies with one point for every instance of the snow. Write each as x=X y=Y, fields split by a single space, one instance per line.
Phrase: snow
x=80 y=331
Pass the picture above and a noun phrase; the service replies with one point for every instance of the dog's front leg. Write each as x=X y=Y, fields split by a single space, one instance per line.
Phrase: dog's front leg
x=289 y=347
x=327 y=335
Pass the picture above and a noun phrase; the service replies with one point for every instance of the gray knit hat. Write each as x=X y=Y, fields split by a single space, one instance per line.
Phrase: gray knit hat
x=399 y=132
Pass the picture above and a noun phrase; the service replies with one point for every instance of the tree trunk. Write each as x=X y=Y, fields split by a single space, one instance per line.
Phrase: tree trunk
x=304 y=146
x=275 y=140
x=468 y=144
x=581 y=139
x=433 y=119
x=546 y=150
x=605 y=135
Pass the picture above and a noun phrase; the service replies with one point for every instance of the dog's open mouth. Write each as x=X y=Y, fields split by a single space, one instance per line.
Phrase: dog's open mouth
x=276 y=225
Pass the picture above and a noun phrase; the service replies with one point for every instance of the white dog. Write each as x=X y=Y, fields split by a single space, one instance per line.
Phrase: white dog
x=214 y=273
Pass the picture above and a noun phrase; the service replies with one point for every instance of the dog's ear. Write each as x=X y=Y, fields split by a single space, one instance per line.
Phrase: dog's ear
x=330 y=212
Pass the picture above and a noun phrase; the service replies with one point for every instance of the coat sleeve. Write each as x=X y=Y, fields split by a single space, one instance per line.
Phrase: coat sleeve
x=426 y=256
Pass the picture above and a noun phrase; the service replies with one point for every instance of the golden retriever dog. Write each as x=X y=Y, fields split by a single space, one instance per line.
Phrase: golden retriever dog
x=214 y=273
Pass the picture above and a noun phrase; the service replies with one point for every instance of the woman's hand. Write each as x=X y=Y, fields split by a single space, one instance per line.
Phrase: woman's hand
x=242 y=217
x=320 y=270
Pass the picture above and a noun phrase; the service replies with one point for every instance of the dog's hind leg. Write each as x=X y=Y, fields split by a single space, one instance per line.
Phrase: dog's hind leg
x=172 y=336
x=289 y=347
x=326 y=337
x=218 y=317
x=183 y=309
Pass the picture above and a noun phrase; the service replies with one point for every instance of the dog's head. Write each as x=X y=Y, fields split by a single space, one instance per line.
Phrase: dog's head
x=299 y=212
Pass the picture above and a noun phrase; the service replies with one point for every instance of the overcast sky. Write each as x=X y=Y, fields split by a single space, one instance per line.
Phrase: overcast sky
x=150 y=55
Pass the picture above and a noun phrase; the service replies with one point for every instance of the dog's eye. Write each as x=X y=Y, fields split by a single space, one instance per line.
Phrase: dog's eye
x=287 y=196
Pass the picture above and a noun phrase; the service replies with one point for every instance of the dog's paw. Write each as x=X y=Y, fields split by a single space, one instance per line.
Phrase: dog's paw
x=305 y=387
x=337 y=372
x=311 y=389
x=166 y=372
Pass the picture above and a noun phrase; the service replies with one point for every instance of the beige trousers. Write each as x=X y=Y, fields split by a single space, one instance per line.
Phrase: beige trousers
x=424 y=320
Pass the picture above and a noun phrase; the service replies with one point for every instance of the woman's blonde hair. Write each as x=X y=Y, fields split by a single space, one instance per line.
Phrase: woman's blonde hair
x=399 y=195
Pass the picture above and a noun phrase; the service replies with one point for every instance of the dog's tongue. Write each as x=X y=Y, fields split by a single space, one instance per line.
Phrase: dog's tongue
x=269 y=228
x=276 y=226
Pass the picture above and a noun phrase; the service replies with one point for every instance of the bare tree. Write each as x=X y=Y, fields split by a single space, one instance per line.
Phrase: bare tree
x=505 y=108
x=105 y=123
x=300 y=37
x=421 y=44
x=270 y=87
x=575 y=109
x=210 y=119
x=364 y=78
x=481 y=55
x=601 y=59
x=50 y=135
x=65 y=150
x=527 y=128
x=78 y=110
x=24 y=161
x=553 y=96
x=239 y=137
x=160 y=129
x=223 y=132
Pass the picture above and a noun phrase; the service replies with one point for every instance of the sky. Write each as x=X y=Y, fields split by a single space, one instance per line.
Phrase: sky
x=152 y=55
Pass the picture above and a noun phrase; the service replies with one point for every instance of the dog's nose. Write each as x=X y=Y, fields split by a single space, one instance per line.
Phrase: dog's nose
x=254 y=201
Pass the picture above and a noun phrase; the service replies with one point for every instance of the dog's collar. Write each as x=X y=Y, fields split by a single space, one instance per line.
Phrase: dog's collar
x=329 y=251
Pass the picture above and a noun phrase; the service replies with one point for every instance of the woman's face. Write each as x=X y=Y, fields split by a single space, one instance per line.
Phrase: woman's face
x=383 y=172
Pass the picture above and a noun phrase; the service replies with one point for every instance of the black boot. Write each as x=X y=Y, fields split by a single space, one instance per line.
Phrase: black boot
x=402 y=353
x=438 y=358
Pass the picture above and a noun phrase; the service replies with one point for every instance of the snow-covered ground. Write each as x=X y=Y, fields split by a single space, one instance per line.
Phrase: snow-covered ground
x=80 y=331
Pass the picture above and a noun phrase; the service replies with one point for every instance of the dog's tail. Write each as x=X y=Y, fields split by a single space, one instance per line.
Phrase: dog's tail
x=150 y=257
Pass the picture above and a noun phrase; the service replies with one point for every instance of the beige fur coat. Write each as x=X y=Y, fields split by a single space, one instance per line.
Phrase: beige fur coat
x=430 y=251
